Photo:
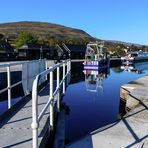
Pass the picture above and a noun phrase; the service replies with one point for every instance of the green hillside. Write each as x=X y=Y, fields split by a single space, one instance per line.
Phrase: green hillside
x=43 y=31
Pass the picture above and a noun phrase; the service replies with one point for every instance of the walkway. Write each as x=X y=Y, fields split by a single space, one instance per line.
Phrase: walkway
x=16 y=128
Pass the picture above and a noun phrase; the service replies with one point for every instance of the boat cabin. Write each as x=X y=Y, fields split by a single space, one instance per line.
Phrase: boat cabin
x=96 y=56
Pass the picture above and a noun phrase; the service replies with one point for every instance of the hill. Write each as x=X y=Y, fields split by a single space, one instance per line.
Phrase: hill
x=124 y=43
x=42 y=30
x=52 y=34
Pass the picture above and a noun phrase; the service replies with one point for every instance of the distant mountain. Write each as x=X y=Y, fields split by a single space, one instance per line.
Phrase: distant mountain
x=124 y=43
x=42 y=30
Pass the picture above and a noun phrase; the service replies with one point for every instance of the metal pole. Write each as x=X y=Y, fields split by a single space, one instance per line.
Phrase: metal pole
x=64 y=78
x=41 y=52
x=67 y=72
x=46 y=68
x=69 y=69
x=58 y=87
x=52 y=99
x=9 y=86
x=35 y=124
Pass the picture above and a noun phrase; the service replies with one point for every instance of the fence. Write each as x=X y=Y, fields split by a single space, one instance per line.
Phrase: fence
x=28 y=75
x=60 y=83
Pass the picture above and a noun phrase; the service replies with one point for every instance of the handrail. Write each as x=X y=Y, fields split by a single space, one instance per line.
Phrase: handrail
x=8 y=71
x=16 y=63
x=50 y=103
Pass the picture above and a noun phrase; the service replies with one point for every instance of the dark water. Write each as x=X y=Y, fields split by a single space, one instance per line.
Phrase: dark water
x=92 y=107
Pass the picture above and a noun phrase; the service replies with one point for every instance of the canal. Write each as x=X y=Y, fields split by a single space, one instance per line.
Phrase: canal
x=93 y=98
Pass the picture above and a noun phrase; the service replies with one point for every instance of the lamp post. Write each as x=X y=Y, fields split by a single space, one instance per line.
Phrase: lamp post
x=41 y=52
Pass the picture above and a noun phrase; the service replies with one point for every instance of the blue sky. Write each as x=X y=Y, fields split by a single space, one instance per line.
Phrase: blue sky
x=124 y=20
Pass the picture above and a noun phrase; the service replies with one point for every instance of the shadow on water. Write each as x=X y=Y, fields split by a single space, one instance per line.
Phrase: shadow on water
x=77 y=74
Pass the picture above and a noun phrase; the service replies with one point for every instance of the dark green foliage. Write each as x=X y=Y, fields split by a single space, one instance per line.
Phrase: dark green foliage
x=1 y=36
x=25 y=38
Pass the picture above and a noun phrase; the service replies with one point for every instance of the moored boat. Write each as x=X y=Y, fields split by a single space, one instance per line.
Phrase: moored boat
x=132 y=57
x=96 y=56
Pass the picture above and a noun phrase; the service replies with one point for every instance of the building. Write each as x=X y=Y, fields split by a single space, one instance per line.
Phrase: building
x=73 y=51
x=63 y=51
x=36 y=51
x=77 y=51
x=6 y=51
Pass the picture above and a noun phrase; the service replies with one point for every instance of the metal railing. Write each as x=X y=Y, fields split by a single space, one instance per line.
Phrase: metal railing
x=50 y=103
x=7 y=68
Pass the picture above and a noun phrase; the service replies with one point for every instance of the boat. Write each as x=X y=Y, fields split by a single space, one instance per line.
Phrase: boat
x=96 y=56
x=133 y=57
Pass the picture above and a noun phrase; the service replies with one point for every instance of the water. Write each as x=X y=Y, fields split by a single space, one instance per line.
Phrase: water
x=92 y=106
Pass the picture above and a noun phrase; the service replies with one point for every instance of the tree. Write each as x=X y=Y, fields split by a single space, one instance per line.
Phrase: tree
x=1 y=36
x=134 y=47
x=25 y=38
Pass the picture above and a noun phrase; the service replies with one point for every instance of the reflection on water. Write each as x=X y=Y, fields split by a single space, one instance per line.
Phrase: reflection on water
x=130 y=68
x=94 y=98
x=137 y=67
x=94 y=79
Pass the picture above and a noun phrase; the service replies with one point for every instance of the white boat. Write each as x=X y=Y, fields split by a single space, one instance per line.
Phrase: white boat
x=132 y=57
x=96 y=57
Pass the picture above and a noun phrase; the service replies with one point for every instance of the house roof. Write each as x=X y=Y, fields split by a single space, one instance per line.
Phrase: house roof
x=5 y=47
x=76 y=48
x=62 y=48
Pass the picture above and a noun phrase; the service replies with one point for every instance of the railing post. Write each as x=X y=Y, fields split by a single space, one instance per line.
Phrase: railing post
x=35 y=124
x=69 y=63
x=67 y=72
x=46 y=66
x=9 y=86
x=64 y=78
x=51 y=99
x=58 y=87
